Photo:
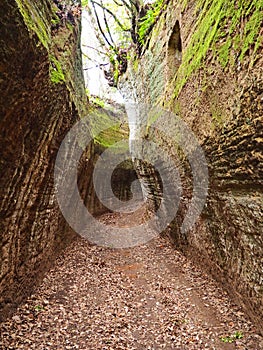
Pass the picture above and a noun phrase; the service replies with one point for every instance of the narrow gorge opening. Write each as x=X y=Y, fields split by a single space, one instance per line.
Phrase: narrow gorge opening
x=168 y=254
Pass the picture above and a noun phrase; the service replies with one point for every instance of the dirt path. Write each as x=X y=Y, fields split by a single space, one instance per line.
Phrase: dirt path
x=147 y=297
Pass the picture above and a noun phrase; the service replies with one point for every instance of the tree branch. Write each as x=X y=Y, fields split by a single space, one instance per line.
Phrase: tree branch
x=111 y=13
x=107 y=27
x=94 y=48
x=98 y=22
x=97 y=66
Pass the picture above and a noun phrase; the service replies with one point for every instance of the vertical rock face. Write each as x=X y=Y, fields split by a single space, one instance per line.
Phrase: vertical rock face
x=41 y=96
x=203 y=63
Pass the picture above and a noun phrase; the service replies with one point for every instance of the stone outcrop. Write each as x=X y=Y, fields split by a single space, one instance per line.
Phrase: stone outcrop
x=202 y=62
x=42 y=95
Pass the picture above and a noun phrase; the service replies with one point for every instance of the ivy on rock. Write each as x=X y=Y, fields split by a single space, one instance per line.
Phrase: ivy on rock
x=121 y=25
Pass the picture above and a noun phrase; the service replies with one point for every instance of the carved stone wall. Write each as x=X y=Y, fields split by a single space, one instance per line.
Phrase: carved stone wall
x=217 y=90
x=42 y=95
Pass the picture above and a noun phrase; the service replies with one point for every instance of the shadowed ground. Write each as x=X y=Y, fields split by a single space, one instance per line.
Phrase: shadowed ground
x=147 y=297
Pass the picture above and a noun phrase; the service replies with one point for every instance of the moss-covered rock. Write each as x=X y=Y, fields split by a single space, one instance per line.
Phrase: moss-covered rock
x=203 y=62
x=42 y=96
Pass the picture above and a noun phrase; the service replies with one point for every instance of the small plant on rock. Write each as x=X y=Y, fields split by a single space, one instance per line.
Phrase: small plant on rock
x=39 y=308
x=233 y=337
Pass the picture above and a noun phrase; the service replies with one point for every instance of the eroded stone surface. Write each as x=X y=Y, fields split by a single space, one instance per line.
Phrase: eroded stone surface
x=224 y=108
x=35 y=113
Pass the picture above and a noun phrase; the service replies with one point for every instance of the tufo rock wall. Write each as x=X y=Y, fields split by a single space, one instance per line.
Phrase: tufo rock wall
x=202 y=62
x=42 y=95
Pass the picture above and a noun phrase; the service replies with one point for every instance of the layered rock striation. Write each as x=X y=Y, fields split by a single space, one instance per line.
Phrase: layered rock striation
x=42 y=95
x=202 y=63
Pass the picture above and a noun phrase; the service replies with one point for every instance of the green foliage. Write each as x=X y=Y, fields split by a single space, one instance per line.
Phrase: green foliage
x=116 y=74
x=97 y=101
x=218 y=32
x=39 y=308
x=87 y=93
x=146 y=22
x=84 y=3
x=232 y=338
x=55 y=71
x=55 y=19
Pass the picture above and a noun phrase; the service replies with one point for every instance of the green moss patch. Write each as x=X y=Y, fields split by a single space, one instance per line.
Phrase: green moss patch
x=34 y=21
x=145 y=23
x=113 y=130
x=55 y=70
x=225 y=29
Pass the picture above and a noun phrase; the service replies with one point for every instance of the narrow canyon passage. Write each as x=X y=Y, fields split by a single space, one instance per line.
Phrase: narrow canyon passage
x=105 y=104
x=147 y=297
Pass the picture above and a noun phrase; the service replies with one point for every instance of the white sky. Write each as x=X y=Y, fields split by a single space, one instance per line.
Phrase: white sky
x=94 y=77
x=95 y=81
